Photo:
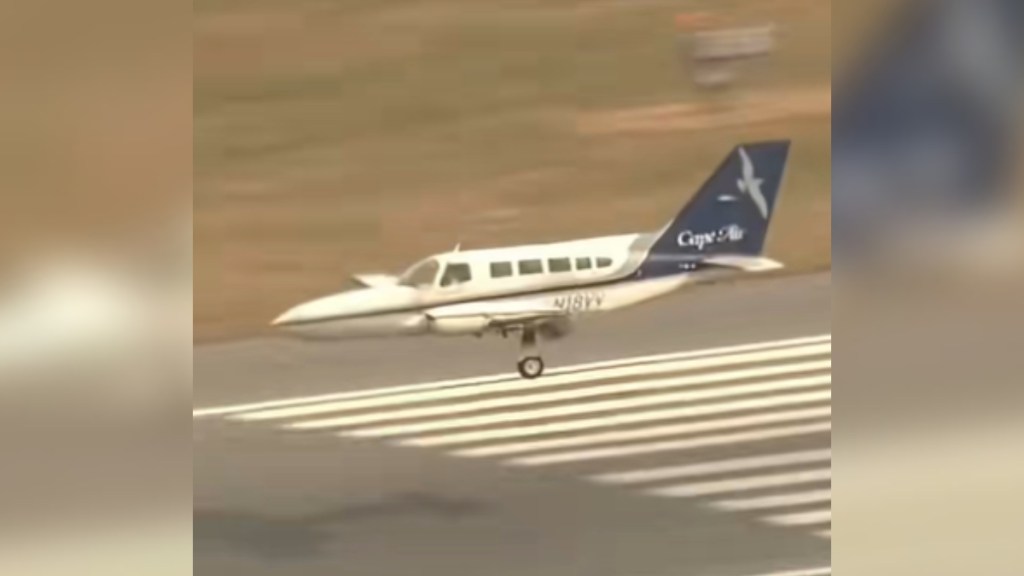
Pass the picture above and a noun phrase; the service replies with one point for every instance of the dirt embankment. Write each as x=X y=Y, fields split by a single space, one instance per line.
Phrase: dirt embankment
x=744 y=110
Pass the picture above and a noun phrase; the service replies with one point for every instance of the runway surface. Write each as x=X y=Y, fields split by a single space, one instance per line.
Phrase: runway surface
x=688 y=436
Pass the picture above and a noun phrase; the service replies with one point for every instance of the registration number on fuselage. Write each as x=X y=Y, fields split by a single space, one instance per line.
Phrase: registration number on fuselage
x=580 y=301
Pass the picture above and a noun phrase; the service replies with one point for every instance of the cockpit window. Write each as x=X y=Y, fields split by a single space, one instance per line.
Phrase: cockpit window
x=456 y=274
x=421 y=275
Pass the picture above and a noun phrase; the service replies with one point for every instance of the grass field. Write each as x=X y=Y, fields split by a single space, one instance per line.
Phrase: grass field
x=334 y=137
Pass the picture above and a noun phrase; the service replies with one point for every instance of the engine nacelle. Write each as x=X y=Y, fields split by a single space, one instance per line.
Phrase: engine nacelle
x=556 y=330
x=459 y=325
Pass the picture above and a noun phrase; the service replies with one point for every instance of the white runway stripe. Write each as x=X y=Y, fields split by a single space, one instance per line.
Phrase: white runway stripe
x=272 y=404
x=554 y=411
x=744 y=484
x=824 y=571
x=822 y=516
x=548 y=382
x=620 y=419
x=564 y=395
x=670 y=446
x=718 y=467
x=644 y=433
x=777 y=501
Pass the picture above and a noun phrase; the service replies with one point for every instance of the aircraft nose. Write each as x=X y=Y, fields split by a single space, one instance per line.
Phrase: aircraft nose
x=315 y=316
x=315 y=311
x=284 y=319
x=292 y=316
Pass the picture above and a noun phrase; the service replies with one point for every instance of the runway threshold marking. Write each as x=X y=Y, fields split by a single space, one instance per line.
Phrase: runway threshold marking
x=520 y=385
x=780 y=501
x=685 y=429
x=611 y=420
x=715 y=467
x=742 y=429
x=671 y=445
x=820 y=516
x=581 y=408
x=822 y=571
x=220 y=411
x=691 y=490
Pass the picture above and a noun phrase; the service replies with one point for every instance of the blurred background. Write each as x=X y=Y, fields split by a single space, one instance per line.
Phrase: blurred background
x=926 y=281
x=95 y=287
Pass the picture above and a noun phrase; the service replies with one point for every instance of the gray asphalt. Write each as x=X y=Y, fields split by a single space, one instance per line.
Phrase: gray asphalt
x=272 y=501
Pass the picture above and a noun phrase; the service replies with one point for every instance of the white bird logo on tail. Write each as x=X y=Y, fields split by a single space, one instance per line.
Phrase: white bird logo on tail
x=750 y=184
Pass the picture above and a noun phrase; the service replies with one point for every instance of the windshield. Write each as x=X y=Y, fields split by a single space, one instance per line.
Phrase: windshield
x=421 y=274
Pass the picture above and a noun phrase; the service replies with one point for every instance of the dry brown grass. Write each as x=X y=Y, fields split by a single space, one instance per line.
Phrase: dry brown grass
x=746 y=110
x=337 y=137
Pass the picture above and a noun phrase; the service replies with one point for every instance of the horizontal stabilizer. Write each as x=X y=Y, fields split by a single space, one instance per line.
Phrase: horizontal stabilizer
x=745 y=263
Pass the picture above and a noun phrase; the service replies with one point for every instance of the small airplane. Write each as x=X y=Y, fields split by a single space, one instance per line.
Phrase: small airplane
x=541 y=291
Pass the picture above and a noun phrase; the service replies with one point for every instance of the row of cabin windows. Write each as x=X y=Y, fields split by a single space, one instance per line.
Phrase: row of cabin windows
x=460 y=273
x=555 y=265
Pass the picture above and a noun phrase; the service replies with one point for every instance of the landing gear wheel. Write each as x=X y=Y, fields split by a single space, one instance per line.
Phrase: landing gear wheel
x=530 y=364
x=531 y=367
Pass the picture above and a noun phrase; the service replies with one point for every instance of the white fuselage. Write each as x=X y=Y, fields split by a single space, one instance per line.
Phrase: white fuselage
x=457 y=293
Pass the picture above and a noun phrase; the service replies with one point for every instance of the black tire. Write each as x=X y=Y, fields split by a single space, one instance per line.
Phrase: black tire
x=531 y=367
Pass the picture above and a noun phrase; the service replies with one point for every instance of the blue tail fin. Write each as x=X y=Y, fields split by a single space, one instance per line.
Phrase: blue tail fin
x=729 y=215
x=925 y=123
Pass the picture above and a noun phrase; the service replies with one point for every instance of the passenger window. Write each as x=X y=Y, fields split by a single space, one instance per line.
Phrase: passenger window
x=604 y=262
x=583 y=264
x=531 y=267
x=456 y=274
x=559 y=265
x=501 y=269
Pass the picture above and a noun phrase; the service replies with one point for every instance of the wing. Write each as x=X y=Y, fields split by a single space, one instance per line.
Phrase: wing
x=478 y=317
x=501 y=314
